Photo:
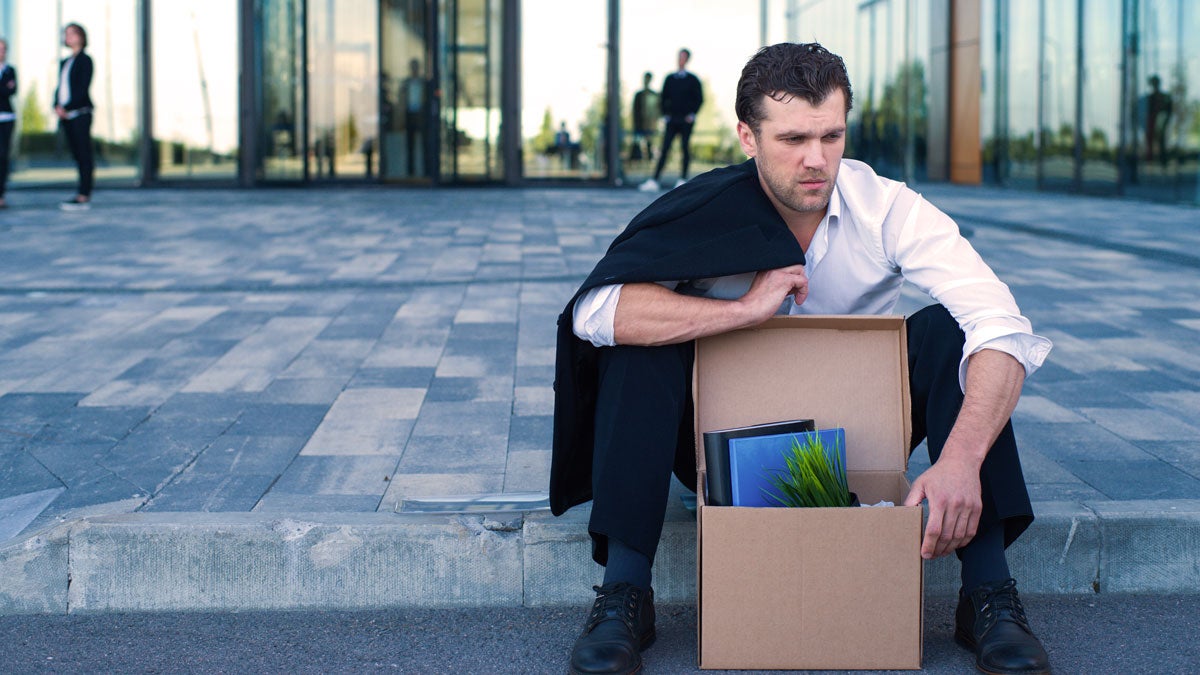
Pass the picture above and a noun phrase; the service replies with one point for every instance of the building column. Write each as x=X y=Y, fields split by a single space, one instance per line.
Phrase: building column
x=937 y=149
x=147 y=157
x=966 y=154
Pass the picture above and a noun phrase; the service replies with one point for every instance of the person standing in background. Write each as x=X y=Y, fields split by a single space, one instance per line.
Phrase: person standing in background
x=682 y=97
x=8 y=119
x=415 y=90
x=73 y=106
x=646 y=112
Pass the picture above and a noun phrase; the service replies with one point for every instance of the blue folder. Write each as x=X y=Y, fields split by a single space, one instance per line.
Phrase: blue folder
x=753 y=460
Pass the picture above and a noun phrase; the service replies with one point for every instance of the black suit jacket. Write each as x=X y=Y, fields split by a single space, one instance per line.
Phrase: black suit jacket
x=8 y=88
x=79 y=79
x=719 y=223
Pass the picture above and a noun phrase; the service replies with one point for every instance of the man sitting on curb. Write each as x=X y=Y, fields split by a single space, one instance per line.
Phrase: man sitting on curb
x=797 y=229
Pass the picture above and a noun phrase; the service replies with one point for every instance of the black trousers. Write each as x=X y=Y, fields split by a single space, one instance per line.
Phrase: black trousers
x=79 y=139
x=643 y=407
x=6 y=132
x=684 y=131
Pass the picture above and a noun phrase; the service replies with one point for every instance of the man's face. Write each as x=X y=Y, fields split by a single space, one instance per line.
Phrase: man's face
x=683 y=59
x=798 y=150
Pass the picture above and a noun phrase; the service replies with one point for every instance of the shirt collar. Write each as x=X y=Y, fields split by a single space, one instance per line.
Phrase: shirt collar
x=820 y=241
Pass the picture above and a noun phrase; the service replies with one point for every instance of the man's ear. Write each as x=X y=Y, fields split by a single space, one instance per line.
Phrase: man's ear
x=747 y=139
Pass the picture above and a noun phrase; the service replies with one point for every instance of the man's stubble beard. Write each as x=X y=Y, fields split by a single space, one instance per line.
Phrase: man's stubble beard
x=793 y=197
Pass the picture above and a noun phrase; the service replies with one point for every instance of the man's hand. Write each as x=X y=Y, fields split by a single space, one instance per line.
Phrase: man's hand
x=951 y=485
x=61 y=112
x=769 y=289
x=648 y=314
x=952 y=488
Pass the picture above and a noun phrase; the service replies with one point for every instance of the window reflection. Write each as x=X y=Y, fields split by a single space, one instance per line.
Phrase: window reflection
x=1188 y=111
x=1101 y=84
x=1022 y=104
x=407 y=92
x=281 y=79
x=195 y=88
x=1155 y=130
x=1059 y=78
x=343 y=89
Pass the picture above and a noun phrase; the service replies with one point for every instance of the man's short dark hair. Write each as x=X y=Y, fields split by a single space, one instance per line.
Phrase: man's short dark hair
x=786 y=70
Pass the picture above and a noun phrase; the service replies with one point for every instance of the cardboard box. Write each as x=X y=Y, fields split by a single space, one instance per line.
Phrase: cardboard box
x=816 y=588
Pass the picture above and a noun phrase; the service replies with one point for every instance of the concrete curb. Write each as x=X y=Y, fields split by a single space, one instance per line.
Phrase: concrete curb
x=252 y=561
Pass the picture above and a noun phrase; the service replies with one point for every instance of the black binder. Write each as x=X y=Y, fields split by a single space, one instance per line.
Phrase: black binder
x=716 y=454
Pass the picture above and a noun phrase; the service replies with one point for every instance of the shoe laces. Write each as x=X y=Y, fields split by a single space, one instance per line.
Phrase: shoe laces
x=615 y=601
x=1001 y=602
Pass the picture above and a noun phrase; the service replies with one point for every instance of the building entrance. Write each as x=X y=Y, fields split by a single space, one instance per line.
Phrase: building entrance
x=380 y=90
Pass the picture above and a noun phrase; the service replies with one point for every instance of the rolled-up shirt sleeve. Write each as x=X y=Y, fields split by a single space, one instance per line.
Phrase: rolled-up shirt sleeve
x=931 y=254
x=594 y=313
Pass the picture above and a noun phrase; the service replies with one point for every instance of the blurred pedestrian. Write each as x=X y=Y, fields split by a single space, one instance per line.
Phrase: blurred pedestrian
x=681 y=99
x=73 y=106
x=562 y=145
x=646 y=112
x=8 y=119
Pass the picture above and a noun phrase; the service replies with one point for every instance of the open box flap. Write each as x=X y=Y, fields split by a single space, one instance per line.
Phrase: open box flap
x=841 y=371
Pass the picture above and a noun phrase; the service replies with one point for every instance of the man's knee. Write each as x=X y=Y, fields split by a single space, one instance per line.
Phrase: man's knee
x=653 y=363
x=934 y=326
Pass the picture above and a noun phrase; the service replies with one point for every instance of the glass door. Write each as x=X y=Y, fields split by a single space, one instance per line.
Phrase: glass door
x=343 y=89
x=281 y=103
x=469 y=65
x=408 y=94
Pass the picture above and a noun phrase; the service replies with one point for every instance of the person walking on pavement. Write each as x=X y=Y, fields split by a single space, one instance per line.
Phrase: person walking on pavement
x=8 y=119
x=796 y=229
x=681 y=99
x=73 y=105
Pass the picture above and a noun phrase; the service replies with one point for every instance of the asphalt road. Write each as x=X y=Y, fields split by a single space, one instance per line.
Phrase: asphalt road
x=1084 y=634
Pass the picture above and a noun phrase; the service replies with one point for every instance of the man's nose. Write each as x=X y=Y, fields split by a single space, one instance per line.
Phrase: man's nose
x=813 y=158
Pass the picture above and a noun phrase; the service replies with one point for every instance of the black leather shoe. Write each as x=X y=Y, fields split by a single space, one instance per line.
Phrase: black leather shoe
x=991 y=622
x=620 y=626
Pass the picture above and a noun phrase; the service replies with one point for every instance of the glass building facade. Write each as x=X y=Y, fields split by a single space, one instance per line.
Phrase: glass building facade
x=1088 y=96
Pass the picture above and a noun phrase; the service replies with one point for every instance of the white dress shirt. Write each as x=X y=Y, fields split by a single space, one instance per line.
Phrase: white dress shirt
x=64 y=82
x=876 y=234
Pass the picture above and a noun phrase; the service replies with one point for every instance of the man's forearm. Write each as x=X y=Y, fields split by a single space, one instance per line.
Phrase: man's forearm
x=994 y=381
x=651 y=315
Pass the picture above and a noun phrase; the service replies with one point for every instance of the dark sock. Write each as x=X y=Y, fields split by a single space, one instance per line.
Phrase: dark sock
x=983 y=559
x=626 y=564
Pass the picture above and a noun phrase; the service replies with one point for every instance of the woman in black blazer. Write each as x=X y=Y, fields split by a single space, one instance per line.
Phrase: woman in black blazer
x=74 y=109
x=8 y=119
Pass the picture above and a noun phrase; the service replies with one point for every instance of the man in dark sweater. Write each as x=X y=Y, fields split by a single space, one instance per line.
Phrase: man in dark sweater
x=8 y=89
x=681 y=98
x=797 y=229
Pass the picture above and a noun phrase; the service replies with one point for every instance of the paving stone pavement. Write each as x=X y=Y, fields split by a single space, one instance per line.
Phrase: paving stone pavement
x=341 y=349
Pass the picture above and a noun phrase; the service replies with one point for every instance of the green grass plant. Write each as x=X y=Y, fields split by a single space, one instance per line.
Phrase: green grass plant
x=813 y=477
